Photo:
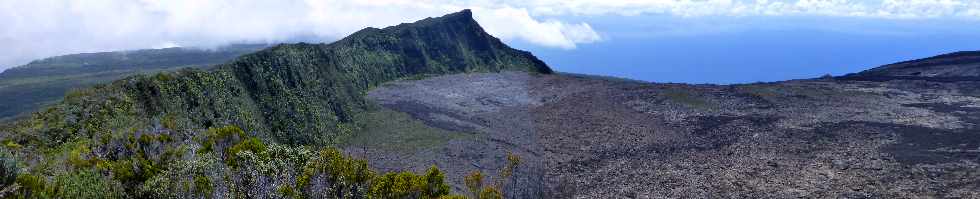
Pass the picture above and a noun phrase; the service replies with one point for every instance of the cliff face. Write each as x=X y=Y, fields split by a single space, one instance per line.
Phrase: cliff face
x=290 y=93
x=260 y=126
x=27 y=88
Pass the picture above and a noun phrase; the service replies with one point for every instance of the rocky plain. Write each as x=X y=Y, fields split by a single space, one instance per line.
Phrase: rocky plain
x=582 y=136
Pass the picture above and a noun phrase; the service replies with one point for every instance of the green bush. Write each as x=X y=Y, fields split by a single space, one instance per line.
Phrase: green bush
x=8 y=169
x=252 y=144
x=133 y=171
x=203 y=185
x=435 y=183
x=409 y=185
x=474 y=182
x=221 y=138
x=396 y=185
x=190 y=178
x=32 y=186
x=80 y=156
x=85 y=184
x=491 y=193
x=345 y=175
x=453 y=197
x=123 y=170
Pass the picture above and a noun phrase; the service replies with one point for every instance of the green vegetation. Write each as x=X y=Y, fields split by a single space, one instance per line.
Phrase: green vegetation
x=475 y=180
x=382 y=128
x=687 y=98
x=79 y=184
x=26 y=88
x=409 y=185
x=773 y=92
x=261 y=126
x=8 y=169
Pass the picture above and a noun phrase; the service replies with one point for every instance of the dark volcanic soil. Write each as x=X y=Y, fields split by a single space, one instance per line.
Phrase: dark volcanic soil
x=590 y=137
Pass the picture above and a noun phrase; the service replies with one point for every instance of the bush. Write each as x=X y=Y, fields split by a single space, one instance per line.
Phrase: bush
x=219 y=138
x=490 y=193
x=409 y=185
x=85 y=184
x=252 y=144
x=342 y=175
x=435 y=183
x=32 y=186
x=453 y=197
x=80 y=156
x=397 y=185
x=192 y=178
x=8 y=169
x=203 y=185
x=474 y=182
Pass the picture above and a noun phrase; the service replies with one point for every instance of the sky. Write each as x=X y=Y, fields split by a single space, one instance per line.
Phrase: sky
x=688 y=41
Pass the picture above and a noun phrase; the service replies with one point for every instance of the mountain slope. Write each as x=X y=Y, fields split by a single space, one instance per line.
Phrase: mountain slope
x=174 y=134
x=593 y=137
x=948 y=67
x=293 y=93
x=150 y=136
x=26 y=88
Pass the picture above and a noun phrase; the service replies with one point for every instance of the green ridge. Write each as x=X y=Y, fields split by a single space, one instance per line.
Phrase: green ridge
x=27 y=88
x=176 y=134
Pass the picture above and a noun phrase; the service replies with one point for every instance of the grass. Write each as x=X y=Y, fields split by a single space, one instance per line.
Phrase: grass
x=390 y=130
x=782 y=92
x=687 y=98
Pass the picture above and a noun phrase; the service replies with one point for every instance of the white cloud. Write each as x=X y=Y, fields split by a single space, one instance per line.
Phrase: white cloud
x=40 y=28
x=510 y=22
x=688 y=8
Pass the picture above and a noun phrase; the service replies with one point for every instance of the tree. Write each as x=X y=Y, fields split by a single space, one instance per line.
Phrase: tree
x=435 y=183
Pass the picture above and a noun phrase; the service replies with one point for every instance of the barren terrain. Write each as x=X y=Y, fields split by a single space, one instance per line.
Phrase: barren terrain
x=587 y=137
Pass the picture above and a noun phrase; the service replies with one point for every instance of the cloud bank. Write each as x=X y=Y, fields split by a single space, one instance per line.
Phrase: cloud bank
x=41 y=28
x=888 y=9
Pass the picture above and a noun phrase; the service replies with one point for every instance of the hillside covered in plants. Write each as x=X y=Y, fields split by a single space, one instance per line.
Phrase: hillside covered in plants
x=260 y=126
x=26 y=88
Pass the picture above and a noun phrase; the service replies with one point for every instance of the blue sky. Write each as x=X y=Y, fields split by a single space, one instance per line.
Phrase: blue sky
x=703 y=41
x=752 y=49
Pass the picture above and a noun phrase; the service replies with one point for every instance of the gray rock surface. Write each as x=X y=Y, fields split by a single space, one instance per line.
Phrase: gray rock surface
x=591 y=137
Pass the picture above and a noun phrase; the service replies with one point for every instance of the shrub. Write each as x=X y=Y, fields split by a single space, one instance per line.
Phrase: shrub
x=11 y=144
x=453 y=197
x=474 y=182
x=343 y=175
x=409 y=185
x=490 y=193
x=252 y=144
x=435 y=183
x=80 y=156
x=287 y=191
x=218 y=139
x=85 y=184
x=203 y=185
x=508 y=170
x=32 y=186
x=122 y=170
x=397 y=185
x=8 y=169
x=192 y=178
